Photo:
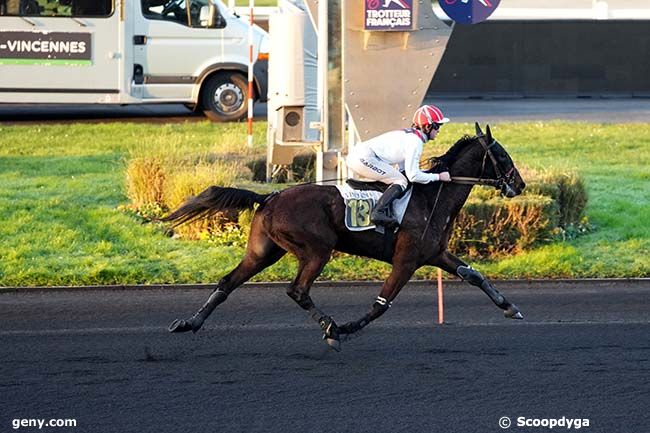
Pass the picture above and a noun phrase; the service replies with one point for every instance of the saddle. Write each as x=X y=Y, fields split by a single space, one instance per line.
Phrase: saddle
x=367 y=186
x=360 y=198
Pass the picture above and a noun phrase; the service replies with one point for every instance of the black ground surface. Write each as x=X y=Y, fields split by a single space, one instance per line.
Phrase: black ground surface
x=105 y=359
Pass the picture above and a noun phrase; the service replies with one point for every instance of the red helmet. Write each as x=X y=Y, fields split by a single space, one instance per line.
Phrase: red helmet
x=428 y=114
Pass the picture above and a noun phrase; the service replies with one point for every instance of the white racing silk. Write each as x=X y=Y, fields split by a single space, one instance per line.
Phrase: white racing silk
x=402 y=148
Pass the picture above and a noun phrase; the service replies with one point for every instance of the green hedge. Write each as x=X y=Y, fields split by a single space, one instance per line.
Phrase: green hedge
x=568 y=190
x=552 y=207
x=489 y=228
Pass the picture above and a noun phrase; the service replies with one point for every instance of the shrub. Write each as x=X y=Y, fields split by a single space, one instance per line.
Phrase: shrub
x=552 y=206
x=567 y=188
x=187 y=180
x=489 y=228
x=145 y=181
x=156 y=184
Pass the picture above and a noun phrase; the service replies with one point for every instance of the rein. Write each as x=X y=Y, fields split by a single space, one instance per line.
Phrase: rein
x=435 y=203
x=475 y=181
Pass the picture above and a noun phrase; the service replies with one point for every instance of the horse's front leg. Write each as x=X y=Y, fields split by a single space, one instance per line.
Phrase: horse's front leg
x=455 y=266
x=399 y=276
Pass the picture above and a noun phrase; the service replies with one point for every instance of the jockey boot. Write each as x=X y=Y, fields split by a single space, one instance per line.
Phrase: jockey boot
x=382 y=214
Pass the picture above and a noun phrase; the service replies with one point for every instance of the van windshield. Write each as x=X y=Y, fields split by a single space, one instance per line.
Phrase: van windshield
x=57 y=8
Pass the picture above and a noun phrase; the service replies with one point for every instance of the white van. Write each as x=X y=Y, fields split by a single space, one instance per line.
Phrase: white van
x=130 y=52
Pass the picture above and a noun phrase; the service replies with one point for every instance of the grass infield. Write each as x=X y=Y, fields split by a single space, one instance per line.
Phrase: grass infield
x=61 y=186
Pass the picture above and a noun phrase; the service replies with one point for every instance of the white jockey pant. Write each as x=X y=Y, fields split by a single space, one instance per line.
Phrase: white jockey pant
x=364 y=162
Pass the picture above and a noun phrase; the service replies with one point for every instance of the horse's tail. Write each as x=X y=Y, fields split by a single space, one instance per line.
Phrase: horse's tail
x=212 y=200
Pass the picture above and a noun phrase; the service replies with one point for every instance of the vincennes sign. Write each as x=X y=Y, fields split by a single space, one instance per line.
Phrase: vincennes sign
x=56 y=48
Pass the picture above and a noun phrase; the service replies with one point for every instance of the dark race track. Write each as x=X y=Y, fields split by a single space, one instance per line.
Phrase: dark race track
x=105 y=359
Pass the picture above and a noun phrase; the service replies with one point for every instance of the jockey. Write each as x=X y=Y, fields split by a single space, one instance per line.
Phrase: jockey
x=376 y=159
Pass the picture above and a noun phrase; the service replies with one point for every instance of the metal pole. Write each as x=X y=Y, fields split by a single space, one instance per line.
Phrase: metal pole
x=251 y=6
x=322 y=83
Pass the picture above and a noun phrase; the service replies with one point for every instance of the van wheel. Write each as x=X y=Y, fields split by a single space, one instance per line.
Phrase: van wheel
x=225 y=97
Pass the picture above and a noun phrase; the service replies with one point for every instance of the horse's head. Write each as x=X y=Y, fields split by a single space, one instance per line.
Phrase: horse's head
x=481 y=160
x=498 y=166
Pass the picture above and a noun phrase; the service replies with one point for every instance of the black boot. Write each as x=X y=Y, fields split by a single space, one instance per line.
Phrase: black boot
x=382 y=214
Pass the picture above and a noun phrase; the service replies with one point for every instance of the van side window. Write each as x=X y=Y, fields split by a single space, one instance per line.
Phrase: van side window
x=177 y=11
x=57 y=8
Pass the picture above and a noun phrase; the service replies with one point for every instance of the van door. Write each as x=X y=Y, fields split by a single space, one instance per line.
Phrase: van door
x=173 y=46
x=60 y=51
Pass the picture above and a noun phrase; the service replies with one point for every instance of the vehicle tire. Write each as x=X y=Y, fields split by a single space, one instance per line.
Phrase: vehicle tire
x=224 y=97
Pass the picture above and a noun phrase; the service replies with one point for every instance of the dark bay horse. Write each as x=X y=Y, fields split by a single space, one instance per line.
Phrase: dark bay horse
x=308 y=221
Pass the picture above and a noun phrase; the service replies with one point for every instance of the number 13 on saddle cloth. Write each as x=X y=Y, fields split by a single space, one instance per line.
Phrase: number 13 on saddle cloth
x=360 y=203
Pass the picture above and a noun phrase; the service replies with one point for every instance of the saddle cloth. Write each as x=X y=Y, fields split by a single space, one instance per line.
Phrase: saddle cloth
x=360 y=203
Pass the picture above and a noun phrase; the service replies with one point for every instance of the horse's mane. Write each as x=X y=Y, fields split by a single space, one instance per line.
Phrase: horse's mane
x=441 y=163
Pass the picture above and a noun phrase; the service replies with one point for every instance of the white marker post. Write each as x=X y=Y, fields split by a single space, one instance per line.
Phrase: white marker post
x=251 y=6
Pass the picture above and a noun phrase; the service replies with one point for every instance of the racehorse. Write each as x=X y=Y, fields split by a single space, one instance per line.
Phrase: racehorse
x=308 y=221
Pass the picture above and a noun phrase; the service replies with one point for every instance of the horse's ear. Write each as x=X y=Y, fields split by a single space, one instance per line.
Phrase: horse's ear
x=478 y=129
x=488 y=133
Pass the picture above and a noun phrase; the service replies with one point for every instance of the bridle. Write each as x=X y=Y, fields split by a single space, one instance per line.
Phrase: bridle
x=501 y=181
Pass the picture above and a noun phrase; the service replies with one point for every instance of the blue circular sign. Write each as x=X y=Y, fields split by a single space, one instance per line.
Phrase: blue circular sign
x=468 y=11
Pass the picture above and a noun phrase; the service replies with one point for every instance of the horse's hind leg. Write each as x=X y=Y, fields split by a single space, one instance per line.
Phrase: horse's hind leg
x=455 y=266
x=313 y=253
x=261 y=252
x=308 y=270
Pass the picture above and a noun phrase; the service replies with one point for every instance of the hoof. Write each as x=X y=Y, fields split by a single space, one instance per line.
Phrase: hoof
x=513 y=313
x=180 y=325
x=334 y=344
x=330 y=333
